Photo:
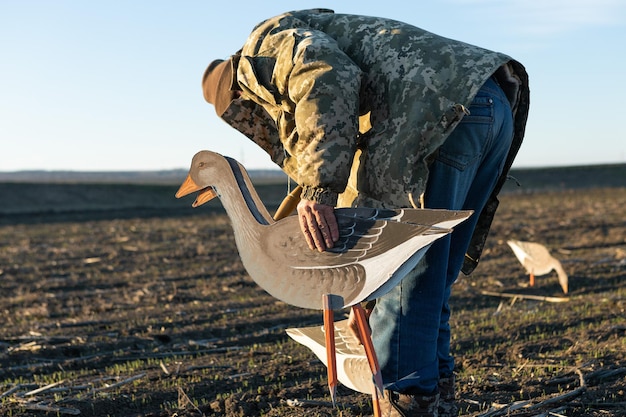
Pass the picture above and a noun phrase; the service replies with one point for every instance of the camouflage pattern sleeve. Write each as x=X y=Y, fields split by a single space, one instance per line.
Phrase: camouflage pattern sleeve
x=253 y=121
x=310 y=87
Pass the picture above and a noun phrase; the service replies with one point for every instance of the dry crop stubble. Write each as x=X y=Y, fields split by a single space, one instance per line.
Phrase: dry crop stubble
x=156 y=316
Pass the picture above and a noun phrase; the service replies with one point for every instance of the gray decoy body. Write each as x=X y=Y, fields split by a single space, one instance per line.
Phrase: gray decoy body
x=538 y=261
x=375 y=250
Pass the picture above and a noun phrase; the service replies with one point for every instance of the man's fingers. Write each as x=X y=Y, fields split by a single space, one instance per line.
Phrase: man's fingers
x=325 y=230
x=333 y=228
x=316 y=234
x=304 y=227
x=318 y=224
x=312 y=232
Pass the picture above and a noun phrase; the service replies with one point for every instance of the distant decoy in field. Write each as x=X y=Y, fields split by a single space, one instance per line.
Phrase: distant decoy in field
x=375 y=250
x=538 y=261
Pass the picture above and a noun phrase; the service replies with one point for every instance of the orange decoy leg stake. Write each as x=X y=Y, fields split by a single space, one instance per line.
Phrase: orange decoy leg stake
x=331 y=302
x=366 y=338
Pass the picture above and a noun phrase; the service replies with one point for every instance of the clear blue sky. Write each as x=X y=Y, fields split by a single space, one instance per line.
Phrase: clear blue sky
x=115 y=85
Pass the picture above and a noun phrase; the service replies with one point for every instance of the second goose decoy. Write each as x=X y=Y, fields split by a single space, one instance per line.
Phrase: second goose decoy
x=537 y=261
x=353 y=370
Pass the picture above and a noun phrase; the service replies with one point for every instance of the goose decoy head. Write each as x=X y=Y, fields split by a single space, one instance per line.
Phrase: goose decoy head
x=200 y=163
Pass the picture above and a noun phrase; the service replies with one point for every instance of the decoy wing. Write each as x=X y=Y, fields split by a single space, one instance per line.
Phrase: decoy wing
x=434 y=217
x=371 y=256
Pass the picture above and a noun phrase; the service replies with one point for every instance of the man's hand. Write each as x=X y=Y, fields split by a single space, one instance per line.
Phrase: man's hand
x=353 y=325
x=318 y=224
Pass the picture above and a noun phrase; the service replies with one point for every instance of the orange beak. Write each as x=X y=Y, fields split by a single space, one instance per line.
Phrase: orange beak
x=189 y=186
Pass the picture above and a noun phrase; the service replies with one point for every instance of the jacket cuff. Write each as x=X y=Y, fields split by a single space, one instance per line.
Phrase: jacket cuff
x=319 y=195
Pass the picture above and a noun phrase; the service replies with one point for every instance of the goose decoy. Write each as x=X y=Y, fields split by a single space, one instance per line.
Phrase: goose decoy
x=352 y=367
x=375 y=250
x=538 y=261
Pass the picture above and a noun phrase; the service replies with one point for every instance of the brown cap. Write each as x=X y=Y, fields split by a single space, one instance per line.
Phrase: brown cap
x=216 y=84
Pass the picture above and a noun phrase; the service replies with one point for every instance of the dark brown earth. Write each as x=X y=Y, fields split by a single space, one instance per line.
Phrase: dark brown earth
x=133 y=312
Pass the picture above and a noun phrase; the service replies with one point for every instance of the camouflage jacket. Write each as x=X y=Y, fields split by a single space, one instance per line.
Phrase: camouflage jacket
x=357 y=105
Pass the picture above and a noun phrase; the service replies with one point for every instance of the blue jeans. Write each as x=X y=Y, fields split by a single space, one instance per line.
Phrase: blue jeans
x=410 y=324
